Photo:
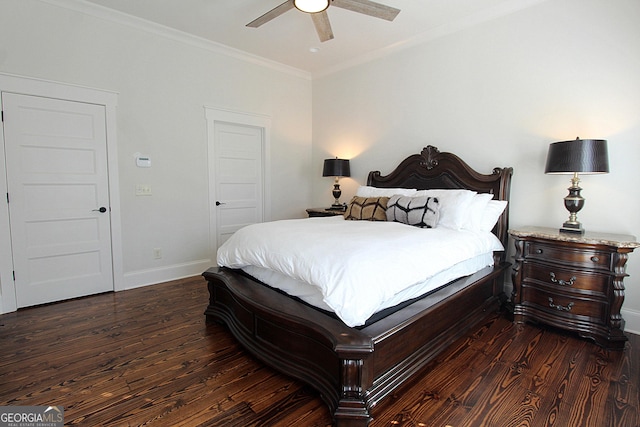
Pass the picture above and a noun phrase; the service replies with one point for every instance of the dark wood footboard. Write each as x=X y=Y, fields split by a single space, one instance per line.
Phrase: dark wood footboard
x=352 y=369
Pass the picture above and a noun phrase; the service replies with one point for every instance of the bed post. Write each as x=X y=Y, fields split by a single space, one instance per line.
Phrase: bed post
x=352 y=409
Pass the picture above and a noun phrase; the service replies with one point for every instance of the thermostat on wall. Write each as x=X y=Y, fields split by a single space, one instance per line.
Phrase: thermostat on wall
x=143 y=161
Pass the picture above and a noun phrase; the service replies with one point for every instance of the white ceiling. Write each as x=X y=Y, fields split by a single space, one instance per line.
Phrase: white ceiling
x=289 y=38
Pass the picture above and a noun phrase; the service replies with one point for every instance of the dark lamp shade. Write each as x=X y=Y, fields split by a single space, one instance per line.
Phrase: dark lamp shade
x=585 y=156
x=336 y=167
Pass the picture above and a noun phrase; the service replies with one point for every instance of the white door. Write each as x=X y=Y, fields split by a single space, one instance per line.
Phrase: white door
x=56 y=161
x=238 y=153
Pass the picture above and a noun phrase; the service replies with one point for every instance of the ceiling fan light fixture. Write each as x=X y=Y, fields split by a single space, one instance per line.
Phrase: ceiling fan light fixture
x=311 y=6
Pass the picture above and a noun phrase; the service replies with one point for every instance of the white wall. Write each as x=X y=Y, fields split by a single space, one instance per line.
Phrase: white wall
x=164 y=80
x=497 y=94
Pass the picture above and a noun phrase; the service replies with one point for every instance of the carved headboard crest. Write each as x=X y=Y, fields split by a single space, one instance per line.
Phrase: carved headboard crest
x=429 y=153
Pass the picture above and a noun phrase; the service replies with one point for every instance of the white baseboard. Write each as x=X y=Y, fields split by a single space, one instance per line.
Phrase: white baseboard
x=632 y=321
x=140 y=278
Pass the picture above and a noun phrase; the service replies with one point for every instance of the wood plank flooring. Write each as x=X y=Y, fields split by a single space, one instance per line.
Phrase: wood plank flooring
x=147 y=357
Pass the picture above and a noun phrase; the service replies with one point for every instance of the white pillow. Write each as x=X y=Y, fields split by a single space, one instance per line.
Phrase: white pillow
x=476 y=210
x=491 y=214
x=366 y=191
x=454 y=206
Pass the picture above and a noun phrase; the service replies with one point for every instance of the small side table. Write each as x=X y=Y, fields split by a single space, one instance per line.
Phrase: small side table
x=314 y=212
x=572 y=281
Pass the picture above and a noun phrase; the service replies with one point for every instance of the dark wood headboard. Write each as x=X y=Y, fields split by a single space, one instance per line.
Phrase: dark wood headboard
x=433 y=169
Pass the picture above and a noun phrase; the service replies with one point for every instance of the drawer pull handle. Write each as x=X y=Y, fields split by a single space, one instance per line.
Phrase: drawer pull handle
x=595 y=258
x=560 y=307
x=560 y=281
x=538 y=251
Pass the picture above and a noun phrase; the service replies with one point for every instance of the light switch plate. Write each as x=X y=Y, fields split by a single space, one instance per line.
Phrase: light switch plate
x=143 y=190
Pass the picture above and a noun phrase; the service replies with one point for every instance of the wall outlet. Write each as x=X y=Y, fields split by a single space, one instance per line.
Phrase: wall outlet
x=143 y=190
x=157 y=253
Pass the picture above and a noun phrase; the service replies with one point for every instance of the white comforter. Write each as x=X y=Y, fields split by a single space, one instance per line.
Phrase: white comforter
x=355 y=264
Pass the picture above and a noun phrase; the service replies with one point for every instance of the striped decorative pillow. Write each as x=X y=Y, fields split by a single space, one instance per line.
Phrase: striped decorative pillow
x=418 y=211
x=367 y=208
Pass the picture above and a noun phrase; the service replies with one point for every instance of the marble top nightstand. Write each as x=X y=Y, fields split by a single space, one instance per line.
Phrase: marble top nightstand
x=572 y=281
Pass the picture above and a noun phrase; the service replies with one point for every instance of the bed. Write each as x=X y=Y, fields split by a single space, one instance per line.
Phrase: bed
x=355 y=368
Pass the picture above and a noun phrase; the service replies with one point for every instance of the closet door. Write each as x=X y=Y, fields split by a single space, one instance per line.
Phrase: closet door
x=238 y=177
x=239 y=171
x=56 y=161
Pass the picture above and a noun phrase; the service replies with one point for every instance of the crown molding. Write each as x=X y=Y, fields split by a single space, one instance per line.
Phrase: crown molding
x=104 y=13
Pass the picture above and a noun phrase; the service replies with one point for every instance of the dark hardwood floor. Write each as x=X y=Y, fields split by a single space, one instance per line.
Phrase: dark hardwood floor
x=147 y=357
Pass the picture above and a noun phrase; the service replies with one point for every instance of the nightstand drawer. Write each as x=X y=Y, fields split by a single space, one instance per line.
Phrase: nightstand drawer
x=567 y=279
x=576 y=257
x=565 y=306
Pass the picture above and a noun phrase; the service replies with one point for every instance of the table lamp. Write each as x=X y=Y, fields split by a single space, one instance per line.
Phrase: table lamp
x=336 y=168
x=585 y=156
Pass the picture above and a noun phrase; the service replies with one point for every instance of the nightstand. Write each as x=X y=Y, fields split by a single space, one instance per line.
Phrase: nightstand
x=572 y=281
x=313 y=212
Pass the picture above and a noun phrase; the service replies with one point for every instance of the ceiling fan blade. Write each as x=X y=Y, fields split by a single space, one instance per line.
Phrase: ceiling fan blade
x=368 y=7
x=323 y=26
x=272 y=14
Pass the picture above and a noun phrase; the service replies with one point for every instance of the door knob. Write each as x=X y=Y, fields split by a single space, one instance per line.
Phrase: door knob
x=220 y=203
x=101 y=210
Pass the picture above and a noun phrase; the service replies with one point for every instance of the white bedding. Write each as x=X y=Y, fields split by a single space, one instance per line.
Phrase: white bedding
x=312 y=295
x=357 y=266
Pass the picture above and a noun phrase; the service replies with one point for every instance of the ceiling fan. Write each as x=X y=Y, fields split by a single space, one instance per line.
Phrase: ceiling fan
x=318 y=11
